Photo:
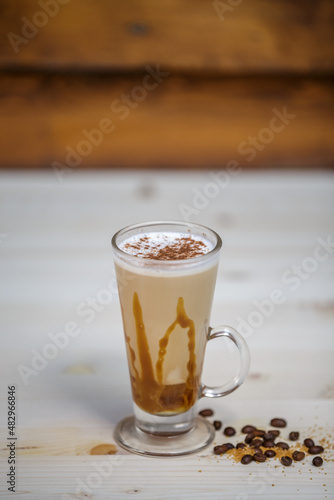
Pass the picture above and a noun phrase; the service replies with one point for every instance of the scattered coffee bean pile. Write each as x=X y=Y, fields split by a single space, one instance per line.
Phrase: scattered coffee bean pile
x=259 y=445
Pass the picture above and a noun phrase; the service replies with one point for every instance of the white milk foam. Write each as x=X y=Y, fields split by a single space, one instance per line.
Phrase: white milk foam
x=145 y=244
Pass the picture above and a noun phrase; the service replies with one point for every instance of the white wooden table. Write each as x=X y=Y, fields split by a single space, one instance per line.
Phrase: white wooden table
x=56 y=266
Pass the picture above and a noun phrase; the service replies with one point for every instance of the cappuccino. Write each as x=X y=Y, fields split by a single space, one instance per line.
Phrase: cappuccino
x=166 y=310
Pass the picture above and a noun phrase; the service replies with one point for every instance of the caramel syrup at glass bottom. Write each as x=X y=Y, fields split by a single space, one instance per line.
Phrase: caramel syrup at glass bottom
x=149 y=392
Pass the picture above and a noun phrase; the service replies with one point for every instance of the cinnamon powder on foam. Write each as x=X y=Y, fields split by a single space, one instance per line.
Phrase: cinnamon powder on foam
x=176 y=248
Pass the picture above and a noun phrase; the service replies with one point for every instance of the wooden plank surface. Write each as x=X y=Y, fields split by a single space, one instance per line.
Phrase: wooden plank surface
x=203 y=476
x=238 y=37
x=55 y=254
x=182 y=122
x=229 y=63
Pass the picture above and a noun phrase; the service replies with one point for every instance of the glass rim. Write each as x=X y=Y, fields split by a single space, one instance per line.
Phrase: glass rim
x=166 y=263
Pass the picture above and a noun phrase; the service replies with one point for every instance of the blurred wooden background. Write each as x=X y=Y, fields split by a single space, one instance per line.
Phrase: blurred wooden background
x=168 y=83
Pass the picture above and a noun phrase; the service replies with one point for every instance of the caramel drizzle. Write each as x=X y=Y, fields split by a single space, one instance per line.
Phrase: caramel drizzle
x=185 y=322
x=147 y=390
x=131 y=350
x=143 y=348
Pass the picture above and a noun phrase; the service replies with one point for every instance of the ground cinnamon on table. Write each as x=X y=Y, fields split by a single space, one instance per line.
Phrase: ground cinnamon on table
x=237 y=454
x=251 y=446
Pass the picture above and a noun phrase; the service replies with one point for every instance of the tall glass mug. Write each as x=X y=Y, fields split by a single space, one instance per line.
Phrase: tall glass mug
x=166 y=274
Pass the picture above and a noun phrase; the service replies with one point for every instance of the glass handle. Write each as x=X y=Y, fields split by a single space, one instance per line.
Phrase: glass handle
x=232 y=385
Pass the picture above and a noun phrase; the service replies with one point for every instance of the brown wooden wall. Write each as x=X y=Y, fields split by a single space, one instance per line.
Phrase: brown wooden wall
x=166 y=83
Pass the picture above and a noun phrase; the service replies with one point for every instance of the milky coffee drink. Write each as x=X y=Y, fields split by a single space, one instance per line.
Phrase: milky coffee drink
x=166 y=312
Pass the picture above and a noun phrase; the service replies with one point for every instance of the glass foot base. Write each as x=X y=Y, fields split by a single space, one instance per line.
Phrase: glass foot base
x=133 y=439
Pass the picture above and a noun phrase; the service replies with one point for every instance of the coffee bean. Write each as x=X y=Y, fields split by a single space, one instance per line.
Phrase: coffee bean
x=259 y=432
x=298 y=455
x=275 y=432
x=257 y=450
x=308 y=442
x=217 y=424
x=257 y=442
x=278 y=422
x=270 y=453
x=259 y=457
x=246 y=459
x=240 y=446
x=269 y=443
x=317 y=461
x=229 y=445
x=286 y=461
x=220 y=449
x=229 y=431
x=315 y=450
x=248 y=428
x=269 y=436
x=206 y=413
x=283 y=445
x=249 y=438
x=293 y=436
